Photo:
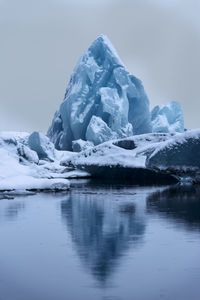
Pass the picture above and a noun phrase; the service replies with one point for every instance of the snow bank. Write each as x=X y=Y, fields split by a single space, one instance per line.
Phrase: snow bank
x=23 y=182
x=20 y=168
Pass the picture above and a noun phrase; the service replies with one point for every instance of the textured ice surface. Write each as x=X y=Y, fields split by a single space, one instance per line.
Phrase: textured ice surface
x=20 y=167
x=181 y=153
x=123 y=159
x=98 y=131
x=129 y=152
x=101 y=93
x=25 y=153
x=165 y=153
x=80 y=145
x=42 y=146
x=167 y=118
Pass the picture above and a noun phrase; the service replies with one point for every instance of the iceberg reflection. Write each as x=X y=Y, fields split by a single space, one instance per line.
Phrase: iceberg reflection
x=103 y=226
x=180 y=203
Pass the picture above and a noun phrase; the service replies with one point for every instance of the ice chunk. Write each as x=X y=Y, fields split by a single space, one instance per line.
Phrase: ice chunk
x=42 y=145
x=19 y=168
x=167 y=118
x=178 y=155
x=80 y=145
x=27 y=154
x=98 y=131
x=100 y=87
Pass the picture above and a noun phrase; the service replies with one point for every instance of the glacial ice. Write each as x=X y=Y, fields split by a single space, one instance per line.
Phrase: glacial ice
x=80 y=145
x=26 y=154
x=129 y=152
x=98 y=131
x=179 y=155
x=42 y=146
x=22 y=170
x=167 y=118
x=144 y=158
x=101 y=93
x=19 y=169
x=123 y=159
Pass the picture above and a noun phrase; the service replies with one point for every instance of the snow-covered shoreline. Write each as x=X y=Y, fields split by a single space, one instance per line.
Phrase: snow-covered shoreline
x=21 y=168
x=135 y=158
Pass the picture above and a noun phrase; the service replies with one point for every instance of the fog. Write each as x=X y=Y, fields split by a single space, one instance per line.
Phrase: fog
x=41 y=41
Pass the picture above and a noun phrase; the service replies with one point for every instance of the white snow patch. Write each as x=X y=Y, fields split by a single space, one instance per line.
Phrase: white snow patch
x=20 y=182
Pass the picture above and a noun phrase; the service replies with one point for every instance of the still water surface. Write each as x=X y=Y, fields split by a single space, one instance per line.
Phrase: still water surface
x=101 y=242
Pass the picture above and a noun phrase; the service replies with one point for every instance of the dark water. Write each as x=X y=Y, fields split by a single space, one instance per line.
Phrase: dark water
x=101 y=242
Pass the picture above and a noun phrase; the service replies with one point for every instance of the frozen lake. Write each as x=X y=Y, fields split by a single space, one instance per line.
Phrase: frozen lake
x=109 y=242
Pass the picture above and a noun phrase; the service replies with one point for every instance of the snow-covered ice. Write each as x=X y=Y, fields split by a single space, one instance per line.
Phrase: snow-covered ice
x=122 y=159
x=80 y=145
x=19 y=168
x=129 y=152
x=146 y=158
x=179 y=155
x=164 y=153
x=42 y=146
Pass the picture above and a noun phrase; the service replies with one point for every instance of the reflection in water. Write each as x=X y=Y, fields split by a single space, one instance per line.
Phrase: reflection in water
x=119 y=240
x=10 y=212
x=182 y=203
x=102 y=227
x=13 y=210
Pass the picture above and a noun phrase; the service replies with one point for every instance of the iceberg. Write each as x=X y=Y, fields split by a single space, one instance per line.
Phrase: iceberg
x=167 y=118
x=105 y=120
x=102 y=98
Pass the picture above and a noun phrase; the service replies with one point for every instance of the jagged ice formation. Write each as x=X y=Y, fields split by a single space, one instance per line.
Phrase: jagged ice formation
x=167 y=118
x=102 y=98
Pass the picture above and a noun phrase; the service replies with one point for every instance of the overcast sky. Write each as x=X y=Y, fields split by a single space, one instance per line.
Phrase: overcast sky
x=41 y=41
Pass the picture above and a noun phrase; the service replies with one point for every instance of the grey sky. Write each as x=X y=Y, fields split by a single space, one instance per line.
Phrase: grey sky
x=41 y=41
